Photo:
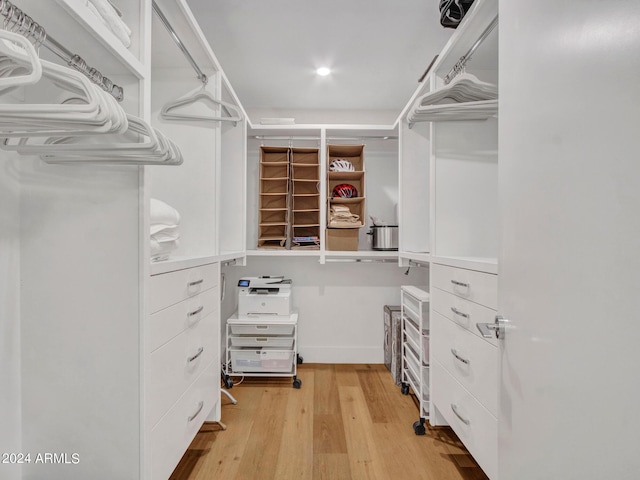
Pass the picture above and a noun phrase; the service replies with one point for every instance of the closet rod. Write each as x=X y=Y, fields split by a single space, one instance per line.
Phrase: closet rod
x=311 y=137
x=15 y=20
x=201 y=76
x=413 y=263
x=361 y=260
x=459 y=66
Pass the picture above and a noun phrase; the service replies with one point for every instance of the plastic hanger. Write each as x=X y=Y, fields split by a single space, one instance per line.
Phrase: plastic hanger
x=9 y=52
x=85 y=111
x=196 y=96
x=148 y=146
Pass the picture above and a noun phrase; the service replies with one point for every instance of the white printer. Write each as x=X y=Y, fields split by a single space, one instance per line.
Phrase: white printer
x=264 y=296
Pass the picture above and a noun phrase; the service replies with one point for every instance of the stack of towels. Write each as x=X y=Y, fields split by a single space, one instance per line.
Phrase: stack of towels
x=341 y=217
x=165 y=221
x=110 y=15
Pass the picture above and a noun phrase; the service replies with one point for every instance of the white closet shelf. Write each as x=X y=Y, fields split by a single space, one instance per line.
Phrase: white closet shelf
x=283 y=253
x=77 y=28
x=481 y=15
x=422 y=257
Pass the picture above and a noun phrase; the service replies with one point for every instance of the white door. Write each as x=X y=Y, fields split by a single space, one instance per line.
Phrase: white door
x=569 y=275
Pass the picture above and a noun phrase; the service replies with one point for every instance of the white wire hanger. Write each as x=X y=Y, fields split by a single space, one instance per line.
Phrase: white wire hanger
x=197 y=96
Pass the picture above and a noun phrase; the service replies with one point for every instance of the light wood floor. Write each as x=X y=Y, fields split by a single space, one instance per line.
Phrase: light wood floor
x=346 y=422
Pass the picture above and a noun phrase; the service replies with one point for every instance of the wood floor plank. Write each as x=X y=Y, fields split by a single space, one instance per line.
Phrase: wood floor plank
x=331 y=466
x=364 y=459
x=326 y=401
x=381 y=400
x=295 y=458
x=263 y=444
x=346 y=375
x=328 y=434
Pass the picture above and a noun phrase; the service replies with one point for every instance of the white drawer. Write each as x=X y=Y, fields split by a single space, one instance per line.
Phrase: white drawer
x=169 y=322
x=463 y=312
x=412 y=336
x=471 y=361
x=478 y=287
x=264 y=329
x=169 y=288
x=174 y=366
x=414 y=303
x=172 y=435
x=262 y=360
x=473 y=423
x=277 y=342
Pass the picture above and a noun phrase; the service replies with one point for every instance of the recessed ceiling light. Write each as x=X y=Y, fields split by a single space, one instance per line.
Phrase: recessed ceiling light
x=323 y=71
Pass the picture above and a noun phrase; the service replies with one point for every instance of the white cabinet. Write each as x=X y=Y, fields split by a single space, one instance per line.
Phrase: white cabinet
x=455 y=163
x=415 y=349
x=464 y=363
x=262 y=346
x=181 y=361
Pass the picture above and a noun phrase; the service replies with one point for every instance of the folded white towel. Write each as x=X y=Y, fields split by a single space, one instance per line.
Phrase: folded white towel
x=162 y=216
x=167 y=234
x=112 y=20
x=162 y=250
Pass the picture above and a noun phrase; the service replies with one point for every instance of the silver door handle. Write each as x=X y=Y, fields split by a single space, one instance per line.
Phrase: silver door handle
x=498 y=327
x=454 y=407
x=195 y=312
x=195 y=357
x=191 y=418
x=455 y=353
x=459 y=313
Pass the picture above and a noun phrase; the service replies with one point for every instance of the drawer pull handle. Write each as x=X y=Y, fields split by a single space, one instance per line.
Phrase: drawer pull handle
x=455 y=353
x=460 y=284
x=197 y=412
x=262 y=339
x=262 y=327
x=197 y=282
x=459 y=313
x=198 y=353
x=195 y=312
x=454 y=407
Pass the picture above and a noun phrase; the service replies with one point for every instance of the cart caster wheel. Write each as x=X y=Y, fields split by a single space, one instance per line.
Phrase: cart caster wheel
x=299 y=360
x=228 y=382
x=297 y=383
x=419 y=428
x=404 y=389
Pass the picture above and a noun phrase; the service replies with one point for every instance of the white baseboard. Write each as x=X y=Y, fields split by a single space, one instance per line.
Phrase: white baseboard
x=341 y=354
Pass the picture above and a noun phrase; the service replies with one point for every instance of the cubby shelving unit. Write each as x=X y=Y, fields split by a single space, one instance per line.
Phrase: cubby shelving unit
x=305 y=199
x=273 y=217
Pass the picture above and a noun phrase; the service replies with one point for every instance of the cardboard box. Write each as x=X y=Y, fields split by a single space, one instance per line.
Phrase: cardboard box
x=342 y=239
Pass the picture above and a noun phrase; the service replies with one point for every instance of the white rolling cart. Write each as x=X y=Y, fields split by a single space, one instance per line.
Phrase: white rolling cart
x=415 y=350
x=262 y=336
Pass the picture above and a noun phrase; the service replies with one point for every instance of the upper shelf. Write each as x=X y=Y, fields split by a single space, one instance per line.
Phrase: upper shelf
x=474 y=24
x=79 y=30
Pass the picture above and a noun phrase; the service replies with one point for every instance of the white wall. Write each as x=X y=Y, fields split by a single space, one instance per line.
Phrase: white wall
x=340 y=304
x=10 y=438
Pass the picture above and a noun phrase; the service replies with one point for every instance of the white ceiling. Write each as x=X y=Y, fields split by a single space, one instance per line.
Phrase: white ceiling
x=270 y=49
